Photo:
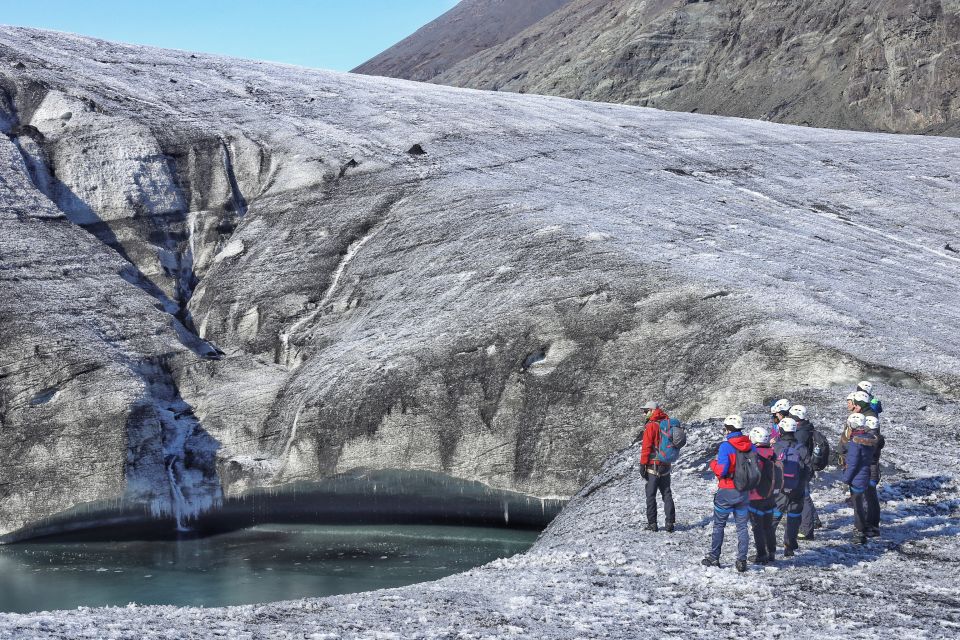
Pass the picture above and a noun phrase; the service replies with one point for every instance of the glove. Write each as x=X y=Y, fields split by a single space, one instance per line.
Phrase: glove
x=644 y=472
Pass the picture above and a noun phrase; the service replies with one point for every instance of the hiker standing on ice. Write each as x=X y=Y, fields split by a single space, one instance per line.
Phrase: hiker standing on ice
x=860 y=454
x=763 y=497
x=858 y=402
x=819 y=451
x=873 y=499
x=779 y=411
x=863 y=404
x=736 y=448
x=795 y=459
x=845 y=432
x=662 y=439
x=874 y=405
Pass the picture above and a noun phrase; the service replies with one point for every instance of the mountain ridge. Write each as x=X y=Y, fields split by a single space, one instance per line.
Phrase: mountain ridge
x=887 y=66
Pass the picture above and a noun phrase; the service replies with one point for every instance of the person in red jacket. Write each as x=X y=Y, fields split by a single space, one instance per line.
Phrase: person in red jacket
x=728 y=499
x=656 y=473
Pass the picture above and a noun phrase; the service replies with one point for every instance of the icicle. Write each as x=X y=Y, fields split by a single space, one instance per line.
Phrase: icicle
x=178 y=502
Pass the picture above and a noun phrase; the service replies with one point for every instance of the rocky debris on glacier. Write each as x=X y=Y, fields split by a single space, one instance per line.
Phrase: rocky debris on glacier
x=223 y=275
x=594 y=573
x=885 y=65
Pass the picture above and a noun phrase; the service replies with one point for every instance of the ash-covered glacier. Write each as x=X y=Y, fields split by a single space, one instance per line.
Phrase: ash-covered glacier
x=220 y=276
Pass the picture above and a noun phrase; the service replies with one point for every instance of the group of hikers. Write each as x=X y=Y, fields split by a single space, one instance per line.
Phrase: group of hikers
x=766 y=474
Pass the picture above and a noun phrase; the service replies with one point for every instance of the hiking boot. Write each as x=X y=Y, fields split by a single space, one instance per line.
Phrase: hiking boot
x=859 y=538
x=817 y=524
x=788 y=552
x=669 y=527
x=764 y=559
x=741 y=565
x=651 y=526
x=873 y=532
x=710 y=561
x=804 y=536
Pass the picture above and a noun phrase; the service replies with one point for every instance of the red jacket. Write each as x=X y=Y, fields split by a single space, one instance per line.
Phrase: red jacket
x=651 y=437
x=726 y=463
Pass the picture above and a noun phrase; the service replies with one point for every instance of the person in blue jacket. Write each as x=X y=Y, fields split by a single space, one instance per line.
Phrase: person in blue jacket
x=728 y=499
x=795 y=459
x=859 y=458
x=873 y=499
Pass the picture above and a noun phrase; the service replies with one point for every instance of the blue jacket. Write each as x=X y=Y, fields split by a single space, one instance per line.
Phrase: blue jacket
x=860 y=453
x=724 y=466
x=789 y=440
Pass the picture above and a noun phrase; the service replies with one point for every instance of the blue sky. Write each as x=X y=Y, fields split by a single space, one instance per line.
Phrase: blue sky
x=331 y=34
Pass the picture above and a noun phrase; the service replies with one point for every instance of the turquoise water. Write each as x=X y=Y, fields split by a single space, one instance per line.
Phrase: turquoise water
x=260 y=564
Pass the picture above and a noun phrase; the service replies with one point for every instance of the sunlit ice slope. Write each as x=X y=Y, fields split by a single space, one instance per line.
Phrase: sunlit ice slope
x=221 y=275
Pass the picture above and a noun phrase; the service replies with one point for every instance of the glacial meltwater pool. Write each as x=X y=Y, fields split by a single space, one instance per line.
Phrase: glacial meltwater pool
x=260 y=564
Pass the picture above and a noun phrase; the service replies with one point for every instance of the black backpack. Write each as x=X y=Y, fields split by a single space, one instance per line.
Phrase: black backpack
x=746 y=471
x=819 y=452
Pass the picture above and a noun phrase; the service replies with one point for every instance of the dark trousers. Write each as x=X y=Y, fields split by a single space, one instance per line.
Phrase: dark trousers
x=859 y=508
x=790 y=504
x=662 y=484
x=873 y=505
x=808 y=516
x=764 y=533
x=725 y=502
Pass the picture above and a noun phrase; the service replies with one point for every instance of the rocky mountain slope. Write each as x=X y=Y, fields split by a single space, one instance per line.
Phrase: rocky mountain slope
x=596 y=574
x=470 y=27
x=220 y=275
x=891 y=65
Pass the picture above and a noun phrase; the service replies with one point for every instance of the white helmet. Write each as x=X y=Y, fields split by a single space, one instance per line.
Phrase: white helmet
x=871 y=422
x=798 y=411
x=852 y=396
x=855 y=420
x=651 y=405
x=861 y=396
x=865 y=385
x=788 y=425
x=780 y=406
x=734 y=421
x=760 y=436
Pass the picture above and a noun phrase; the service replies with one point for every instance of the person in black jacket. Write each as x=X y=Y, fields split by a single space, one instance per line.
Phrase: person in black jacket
x=795 y=459
x=873 y=499
x=809 y=519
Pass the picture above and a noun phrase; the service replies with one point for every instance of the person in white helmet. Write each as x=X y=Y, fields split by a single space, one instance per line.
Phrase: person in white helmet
x=872 y=529
x=860 y=453
x=852 y=407
x=806 y=434
x=778 y=411
x=763 y=498
x=795 y=459
x=728 y=499
x=862 y=403
x=867 y=387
